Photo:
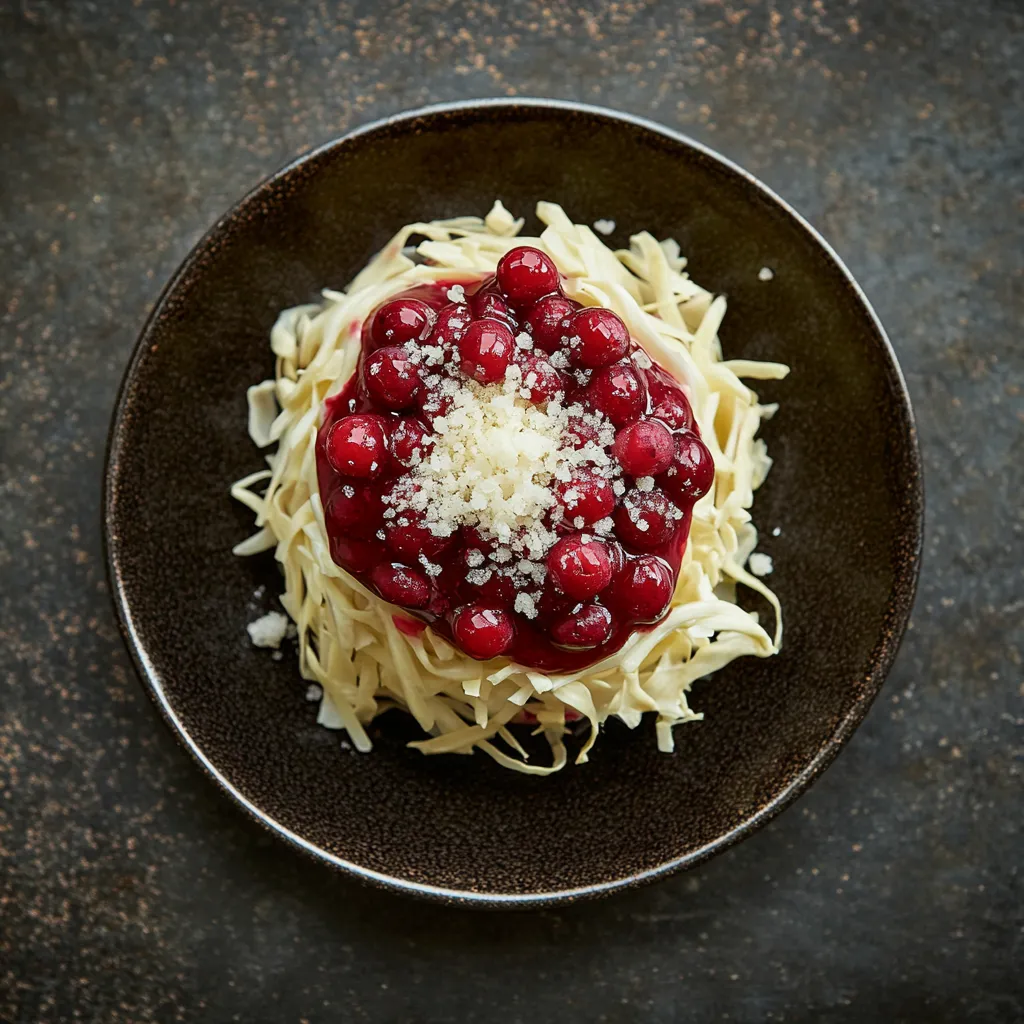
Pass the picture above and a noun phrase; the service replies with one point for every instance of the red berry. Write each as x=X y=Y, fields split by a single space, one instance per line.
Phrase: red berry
x=590 y=625
x=645 y=520
x=644 y=448
x=643 y=588
x=433 y=403
x=483 y=632
x=597 y=337
x=579 y=433
x=401 y=585
x=498 y=589
x=357 y=446
x=356 y=555
x=409 y=538
x=543 y=380
x=669 y=405
x=586 y=496
x=410 y=441
x=487 y=302
x=356 y=509
x=392 y=379
x=579 y=568
x=692 y=471
x=486 y=351
x=451 y=324
x=618 y=392
x=525 y=274
x=401 y=320
x=549 y=321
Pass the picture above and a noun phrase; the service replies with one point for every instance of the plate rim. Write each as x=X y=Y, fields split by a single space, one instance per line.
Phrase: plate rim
x=886 y=648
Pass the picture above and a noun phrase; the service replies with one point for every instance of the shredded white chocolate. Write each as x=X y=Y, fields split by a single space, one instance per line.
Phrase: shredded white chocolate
x=349 y=640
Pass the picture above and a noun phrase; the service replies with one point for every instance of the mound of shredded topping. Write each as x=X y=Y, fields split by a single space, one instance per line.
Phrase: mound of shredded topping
x=494 y=465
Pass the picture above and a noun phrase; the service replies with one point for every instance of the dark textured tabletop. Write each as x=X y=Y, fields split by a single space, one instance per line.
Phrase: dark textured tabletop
x=130 y=890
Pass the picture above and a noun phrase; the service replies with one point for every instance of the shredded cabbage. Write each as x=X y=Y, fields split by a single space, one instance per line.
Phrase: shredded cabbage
x=348 y=640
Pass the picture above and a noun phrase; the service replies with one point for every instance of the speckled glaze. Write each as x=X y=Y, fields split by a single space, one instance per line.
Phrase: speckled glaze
x=845 y=491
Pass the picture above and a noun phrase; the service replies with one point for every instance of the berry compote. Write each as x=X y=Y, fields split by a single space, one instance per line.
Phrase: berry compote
x=598 y=550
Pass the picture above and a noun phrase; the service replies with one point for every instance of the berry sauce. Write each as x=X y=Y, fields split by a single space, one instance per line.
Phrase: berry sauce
x=618 y=530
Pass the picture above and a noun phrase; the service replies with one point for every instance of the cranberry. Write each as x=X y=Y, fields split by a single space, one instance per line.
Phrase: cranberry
x=401 y=585
x=483 y=632
x=644 y=448
x=433 y=403
x=618 y=392
x=498 y=589
x=356 y=555
x=549 y=321
x=590 y=625
x=392 y=379
x=543 y=380
x=579 y=433
x=409 y=538
x=357 y=445
x=488 y=303
x=586 y=496
x=597 y=337
x=452 y=322
x=643 y=588
x=401 y=320
x=645 y=520
x=525 y=274
x=473 y=540
x=579 y=568
x=692 y=471
x=355 y=508
x=670 y=406
x=553 y=605
x=486 y=351
x=410 y=441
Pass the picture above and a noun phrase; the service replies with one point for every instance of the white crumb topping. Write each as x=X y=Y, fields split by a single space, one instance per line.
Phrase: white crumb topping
x=268 y=630
x=456 y=293
x=777 y=532
x=314 y=692
x=526 y=605
x=760 y=564
x=604 y=227
x=765 y=274
x=524 y=341
x=645 y=483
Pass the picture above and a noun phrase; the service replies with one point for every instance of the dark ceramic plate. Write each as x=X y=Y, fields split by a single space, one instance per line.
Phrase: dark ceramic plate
x=845 y=490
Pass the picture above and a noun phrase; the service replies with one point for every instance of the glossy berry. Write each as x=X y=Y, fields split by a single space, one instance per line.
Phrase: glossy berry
x=355 y=554
x=357 y=446
x=645 y=520
x=587 y=497
x=401 y=585
x=579 y=568
x=355 y=508
x=549 y=321
x=618 y=392
x=486 y=350
x=585 y=627
x=544 y=382
x=432 y=403
x=452 y=321
x=392 y=379
x=644 y=588
x=487 y=302
x=669 y=405
x=597 y=337
x=644 y=448
x=525 y=274
x=409 y=538
x=410 y=441
x=483 y=632
x=692 y=471
x=401 y=320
